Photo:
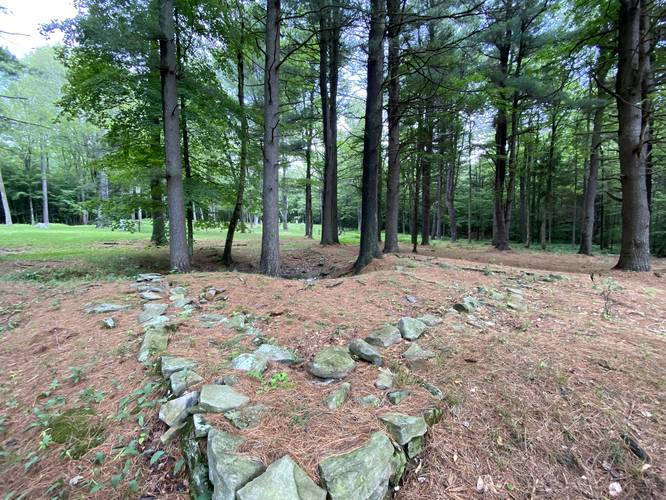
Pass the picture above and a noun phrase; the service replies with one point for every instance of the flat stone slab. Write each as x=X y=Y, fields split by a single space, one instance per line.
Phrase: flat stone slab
x=384 y=337
x=336 y=398
x=148 y=277
x=155 y=341
x=430 y=319
x=201 y=425
x=361 y=474
x=250 y=362
x=404 y=428
x=466 y=305
x=176 y=411
x=247 y=416
x=282 y=480
x=332 y=362
x=384 y=380
x=365 y=351
x=415 y=351
x=278 y=354
x=228 y=472
x=106 y=308
x=109 y=323
x=370 y=400
x=410 y=328
x=172 y=364
x=150 y=296
x=211 y=320
x=220 y=398
x=183 y=380
x=151 y=311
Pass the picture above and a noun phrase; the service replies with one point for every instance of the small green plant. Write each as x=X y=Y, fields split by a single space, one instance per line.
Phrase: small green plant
x=75 y=374
x=45 y=439
x=90 y=395
x=279 y=380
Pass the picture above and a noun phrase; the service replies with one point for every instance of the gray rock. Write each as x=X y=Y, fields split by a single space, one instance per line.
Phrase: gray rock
x=365 y=351
x=410 y=328
x=250 y=362
x=201 y=425
x=236 y=322
x=172 y=432
x=176 y=411
x=106 y=308
x=384 y=337
x=404 y=428
x=415 y=351
x=228 y=472
x=384 y=380
x=156 y=322
x=197 y=465
x=155 y=341
x=430 y=319
x=150 y=296
x=283 y=480
x=433 y=389
x=226 y=380
x=178 y=290
x=151 y=311
x=467 y=305
x=148 y=277
x=336 y=398
x=415 y=446
x=247 y=416
x=397 y=397
x=224 y=442
x=516 y=306
x=109 y=323
x=370 y=400
x=361 y=474
x=211 y=320
x=220 y=398
x=515 y=291
x=183 y=380
x=278 y=354
x=332 y=362
x=182 y=303
x=172 y=364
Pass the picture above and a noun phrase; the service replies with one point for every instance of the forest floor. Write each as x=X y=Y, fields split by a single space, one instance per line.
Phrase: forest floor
x=555 y=398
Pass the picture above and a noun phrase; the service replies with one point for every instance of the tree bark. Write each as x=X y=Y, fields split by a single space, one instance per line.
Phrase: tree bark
x=590 y=195
x=633 y=129
x=285 y=200
x=329 y=48
x=227 y=258
x=5 y=202
x=178 y=248
x=426 y=181
x=308 y=182
x=372 y=137
x=45 y=189
x=393 y=174
x=270 y=238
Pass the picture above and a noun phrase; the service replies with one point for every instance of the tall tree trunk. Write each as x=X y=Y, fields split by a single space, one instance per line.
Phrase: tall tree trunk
x=590 y=195
x=451 y=175
x=45 y=189
x=633 y=130
x=417 y=189
x=227 y=258
x=189 y=215
x=28 y=169
x=426 y=180
x=329 y=48
x=372 y=136
x=547 y=207
x=270 y=238
x=158 y=237
x=393 y=174
x=285 y=200
x=308 y=183
x=178 y=248
x=5 y=202
x=469 y=187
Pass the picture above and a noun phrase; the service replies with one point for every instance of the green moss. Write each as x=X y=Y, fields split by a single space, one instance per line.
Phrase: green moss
x=78 y=430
